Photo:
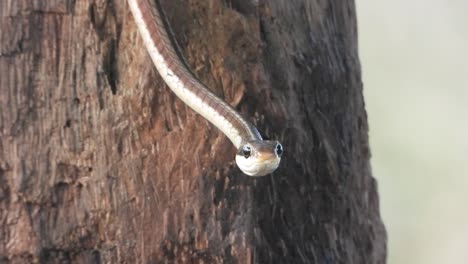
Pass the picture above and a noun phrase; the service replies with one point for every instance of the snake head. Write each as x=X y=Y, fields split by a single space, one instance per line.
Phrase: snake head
x=259 y=157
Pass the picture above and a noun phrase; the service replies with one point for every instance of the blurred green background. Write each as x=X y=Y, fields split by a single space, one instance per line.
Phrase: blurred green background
x=414 y=57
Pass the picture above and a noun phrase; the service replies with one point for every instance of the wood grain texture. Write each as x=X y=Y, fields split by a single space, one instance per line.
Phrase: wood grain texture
x=100 y=162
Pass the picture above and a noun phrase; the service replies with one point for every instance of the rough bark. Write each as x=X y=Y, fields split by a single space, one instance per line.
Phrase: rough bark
x=100 y=162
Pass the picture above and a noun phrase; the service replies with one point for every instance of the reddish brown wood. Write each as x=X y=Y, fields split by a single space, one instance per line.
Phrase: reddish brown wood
x=100 y=162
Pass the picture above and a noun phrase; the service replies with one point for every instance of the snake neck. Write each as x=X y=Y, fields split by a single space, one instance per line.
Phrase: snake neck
x=181 y=80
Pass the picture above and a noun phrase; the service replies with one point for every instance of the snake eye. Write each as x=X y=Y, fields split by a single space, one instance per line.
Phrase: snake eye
x=279 y=149
x=246 y=150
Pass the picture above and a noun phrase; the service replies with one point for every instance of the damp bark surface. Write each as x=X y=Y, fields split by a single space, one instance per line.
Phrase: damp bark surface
x=101 y=163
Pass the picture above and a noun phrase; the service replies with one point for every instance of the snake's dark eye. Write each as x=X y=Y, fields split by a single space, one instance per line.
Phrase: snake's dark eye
x=246 y=150
x=279 y=150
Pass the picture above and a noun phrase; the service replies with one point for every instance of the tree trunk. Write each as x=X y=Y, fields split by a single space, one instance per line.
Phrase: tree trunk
x=101 y=162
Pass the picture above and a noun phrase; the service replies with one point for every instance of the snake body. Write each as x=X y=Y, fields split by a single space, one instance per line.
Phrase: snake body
x=151 y=24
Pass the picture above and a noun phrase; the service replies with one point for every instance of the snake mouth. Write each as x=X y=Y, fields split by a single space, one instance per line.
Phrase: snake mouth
x=258 y=166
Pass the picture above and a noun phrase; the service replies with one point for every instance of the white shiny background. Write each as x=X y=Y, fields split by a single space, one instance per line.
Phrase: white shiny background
x=414 y=57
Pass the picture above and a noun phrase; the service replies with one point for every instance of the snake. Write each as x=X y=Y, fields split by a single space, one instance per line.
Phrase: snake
x=255 y=156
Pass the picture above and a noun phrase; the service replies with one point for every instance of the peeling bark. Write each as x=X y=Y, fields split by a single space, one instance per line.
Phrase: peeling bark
x=100 y=162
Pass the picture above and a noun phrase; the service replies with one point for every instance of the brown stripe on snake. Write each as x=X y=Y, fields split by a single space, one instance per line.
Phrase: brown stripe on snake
x=255 y=156
x=163 y=41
